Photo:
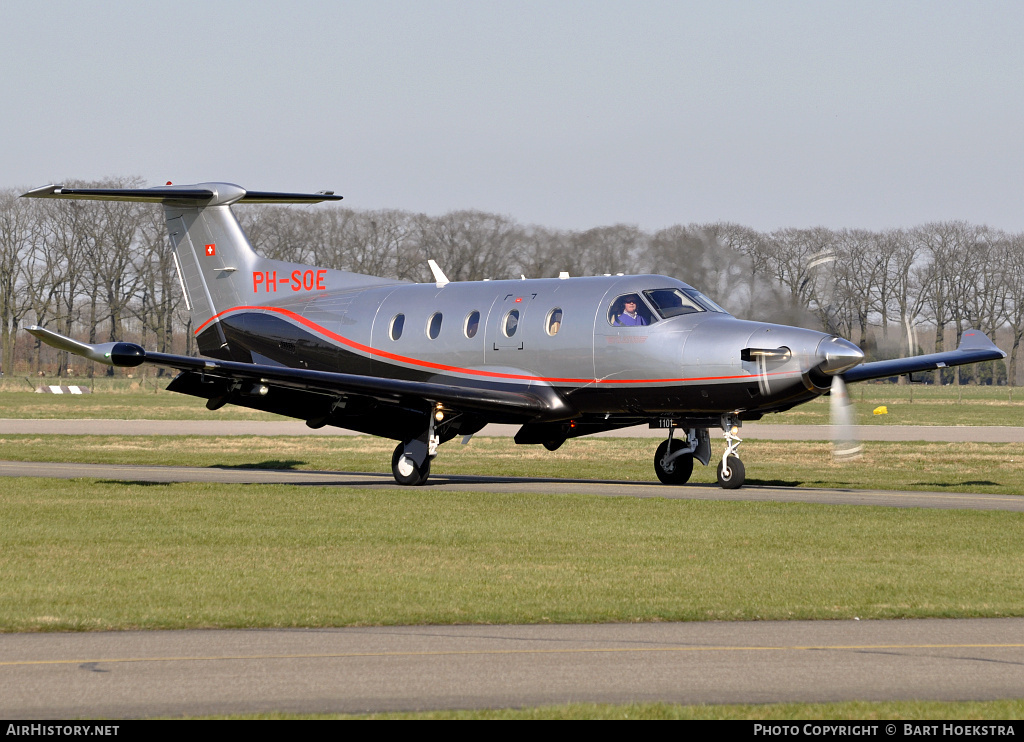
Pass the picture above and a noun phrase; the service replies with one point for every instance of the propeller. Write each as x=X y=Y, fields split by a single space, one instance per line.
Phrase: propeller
x=762 y=357
x=845 y=446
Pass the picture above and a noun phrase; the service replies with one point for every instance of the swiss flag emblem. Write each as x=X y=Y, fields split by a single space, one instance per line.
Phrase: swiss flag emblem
x=211 y=250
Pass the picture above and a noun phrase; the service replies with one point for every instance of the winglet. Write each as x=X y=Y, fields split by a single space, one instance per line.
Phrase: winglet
x=111 y=354
x=977 y=340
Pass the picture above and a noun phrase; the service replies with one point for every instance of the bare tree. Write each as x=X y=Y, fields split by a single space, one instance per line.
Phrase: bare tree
x=16 y=224
x=112 y=258
x=468 y=245
x=548 y=252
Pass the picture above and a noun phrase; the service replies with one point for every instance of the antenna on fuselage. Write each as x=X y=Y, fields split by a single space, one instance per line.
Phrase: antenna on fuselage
x=439 y=275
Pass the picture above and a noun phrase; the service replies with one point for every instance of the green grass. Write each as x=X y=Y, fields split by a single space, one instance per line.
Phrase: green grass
x=854 y=711
x=918 y=405
x=118 y=405
x=126 y=399
x=996 y=468
x=99 y=555
x=88 y=555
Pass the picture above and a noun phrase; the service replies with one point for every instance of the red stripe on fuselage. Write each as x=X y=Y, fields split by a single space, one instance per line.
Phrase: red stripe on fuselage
x=458 y=369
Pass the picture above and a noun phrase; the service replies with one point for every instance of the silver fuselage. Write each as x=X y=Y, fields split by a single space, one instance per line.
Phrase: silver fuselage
x=678 y=366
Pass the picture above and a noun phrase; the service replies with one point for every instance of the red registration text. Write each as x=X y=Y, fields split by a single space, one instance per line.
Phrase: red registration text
x=313 y=280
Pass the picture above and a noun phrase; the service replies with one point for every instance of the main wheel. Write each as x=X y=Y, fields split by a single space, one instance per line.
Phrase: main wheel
x=678 y=470
x=405 y=470
x=735 y=477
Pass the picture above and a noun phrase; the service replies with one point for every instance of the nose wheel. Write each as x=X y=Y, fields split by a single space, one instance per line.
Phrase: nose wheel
x=731 y=473
x=731 y=476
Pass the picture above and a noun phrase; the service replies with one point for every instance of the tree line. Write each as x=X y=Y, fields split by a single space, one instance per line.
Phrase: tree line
x=102 y=271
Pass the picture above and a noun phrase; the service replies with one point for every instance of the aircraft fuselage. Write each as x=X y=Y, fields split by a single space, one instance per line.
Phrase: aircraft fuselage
x=559 y=333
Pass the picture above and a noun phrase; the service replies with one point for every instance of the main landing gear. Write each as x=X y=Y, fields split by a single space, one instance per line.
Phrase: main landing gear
x=407 y=471
x=673 y=461
x=410 y=463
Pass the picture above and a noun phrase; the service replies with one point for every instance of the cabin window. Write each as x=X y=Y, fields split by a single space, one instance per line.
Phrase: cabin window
x=472 y=324
x=553 y=321
x=511 y=323
x=397 y=323
x=672 y=302
x=629 y=310
x=434 y=326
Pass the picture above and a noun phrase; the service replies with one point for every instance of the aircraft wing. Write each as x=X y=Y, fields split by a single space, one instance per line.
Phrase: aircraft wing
x=974 y=347
x=398 y=390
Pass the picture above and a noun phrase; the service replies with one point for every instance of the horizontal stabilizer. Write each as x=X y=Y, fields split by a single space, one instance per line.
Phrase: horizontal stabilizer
x=203 y=194
x=974 y=347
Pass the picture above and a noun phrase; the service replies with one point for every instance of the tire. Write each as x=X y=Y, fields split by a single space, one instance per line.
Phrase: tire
x=679 y=470
x=737 y=474
x=405 y=470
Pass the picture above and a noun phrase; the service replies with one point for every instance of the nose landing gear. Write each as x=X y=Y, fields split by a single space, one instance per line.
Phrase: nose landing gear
x=731 y=473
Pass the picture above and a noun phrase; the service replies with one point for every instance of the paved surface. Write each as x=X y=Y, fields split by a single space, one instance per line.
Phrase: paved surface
x=976 y=434
x=538 y=485
x=131 y=674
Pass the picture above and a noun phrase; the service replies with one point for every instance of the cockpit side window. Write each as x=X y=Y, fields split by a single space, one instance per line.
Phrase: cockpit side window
x=629 y=310
x=672 y=302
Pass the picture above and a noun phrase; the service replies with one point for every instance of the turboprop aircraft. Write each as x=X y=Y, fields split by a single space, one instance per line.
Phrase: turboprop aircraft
x=423 y=363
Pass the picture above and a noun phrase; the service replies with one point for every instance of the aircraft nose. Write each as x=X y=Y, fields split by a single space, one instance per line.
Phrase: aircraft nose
x=838 y=355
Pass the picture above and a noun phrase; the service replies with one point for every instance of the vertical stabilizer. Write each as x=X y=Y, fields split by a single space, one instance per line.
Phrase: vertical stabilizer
x=217 y=266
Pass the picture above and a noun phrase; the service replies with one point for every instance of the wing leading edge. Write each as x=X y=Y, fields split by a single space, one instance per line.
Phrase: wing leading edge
x=533 y=403
x=974 y=347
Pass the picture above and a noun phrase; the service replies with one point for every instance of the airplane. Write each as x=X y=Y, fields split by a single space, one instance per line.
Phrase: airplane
x=422 y=363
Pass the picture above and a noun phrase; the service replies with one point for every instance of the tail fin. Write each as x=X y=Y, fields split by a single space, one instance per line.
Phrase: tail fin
x=216 y=264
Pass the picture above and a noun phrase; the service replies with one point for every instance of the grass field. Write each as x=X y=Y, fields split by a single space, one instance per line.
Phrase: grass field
x=905 y=710
x=91 y=555
x=907 y=405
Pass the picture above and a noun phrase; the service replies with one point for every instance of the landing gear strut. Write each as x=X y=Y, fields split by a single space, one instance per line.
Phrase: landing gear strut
x=673 y=461
x=410 y=463
x=731 y=473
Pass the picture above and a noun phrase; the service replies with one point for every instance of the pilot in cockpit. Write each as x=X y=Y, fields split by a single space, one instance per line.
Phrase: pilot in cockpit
x=629 y=317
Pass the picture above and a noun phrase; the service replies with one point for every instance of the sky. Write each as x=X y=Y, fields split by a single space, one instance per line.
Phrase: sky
x=559 y=113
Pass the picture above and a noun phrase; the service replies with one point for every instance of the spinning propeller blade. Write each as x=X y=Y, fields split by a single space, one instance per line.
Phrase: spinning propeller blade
x=845 y=446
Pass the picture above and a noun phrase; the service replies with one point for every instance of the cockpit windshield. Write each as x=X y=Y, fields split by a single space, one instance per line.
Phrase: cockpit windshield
x=704 y=301
x=673 y=302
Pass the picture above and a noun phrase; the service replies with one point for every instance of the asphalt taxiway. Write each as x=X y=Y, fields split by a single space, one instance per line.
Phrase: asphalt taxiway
x=170 y=673
x=536 y=485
